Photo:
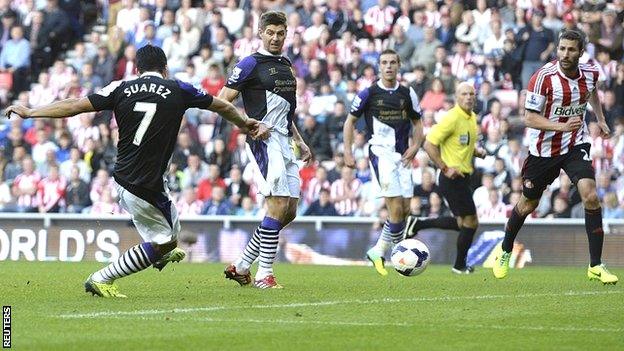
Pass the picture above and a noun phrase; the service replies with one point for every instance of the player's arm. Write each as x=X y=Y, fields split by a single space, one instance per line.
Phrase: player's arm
x=417 y=137
x=347 y=134
x=229 y=112
x=228 y=94
x=60 y=109
x=438 y=134
x=358 y=106
x=306 y=154
x=594 y=102
x=534 y=106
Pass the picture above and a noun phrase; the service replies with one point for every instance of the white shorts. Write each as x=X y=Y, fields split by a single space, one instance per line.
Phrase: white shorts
x=154 y=225
x=389 y=174
x=277 y=173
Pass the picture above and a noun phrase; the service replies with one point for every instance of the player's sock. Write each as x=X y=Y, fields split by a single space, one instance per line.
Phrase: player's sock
x=396 y=231
x=251 y=252
x=136 y=259
x=595 y=235
x=441 y=223
x=512 y=228
x=269 y=235
x=464 y=240
x=385 y=238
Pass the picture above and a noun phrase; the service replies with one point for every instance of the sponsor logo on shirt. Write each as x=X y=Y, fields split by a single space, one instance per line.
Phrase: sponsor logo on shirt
x=568 y=111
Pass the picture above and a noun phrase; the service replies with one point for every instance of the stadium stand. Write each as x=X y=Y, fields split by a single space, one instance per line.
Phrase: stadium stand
x=56 y=49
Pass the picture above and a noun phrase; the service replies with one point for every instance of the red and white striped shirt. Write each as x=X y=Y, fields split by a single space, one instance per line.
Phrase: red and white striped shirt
x=50 y=192
x=559 y=98
x=378 y=21
x=345 y=204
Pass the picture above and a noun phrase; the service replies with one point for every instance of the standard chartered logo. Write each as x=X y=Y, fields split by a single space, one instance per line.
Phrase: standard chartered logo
x=574 y=110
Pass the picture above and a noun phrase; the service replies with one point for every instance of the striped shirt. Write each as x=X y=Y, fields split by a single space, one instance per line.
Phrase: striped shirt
x=345 y=205
x=559 y=98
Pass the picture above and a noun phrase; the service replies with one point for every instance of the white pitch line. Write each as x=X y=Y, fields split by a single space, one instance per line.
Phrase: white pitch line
x=545 y=328
x=286 y=321
x=330 y=303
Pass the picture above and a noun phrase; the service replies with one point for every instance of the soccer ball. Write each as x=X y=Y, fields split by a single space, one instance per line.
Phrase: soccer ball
x=410 y=257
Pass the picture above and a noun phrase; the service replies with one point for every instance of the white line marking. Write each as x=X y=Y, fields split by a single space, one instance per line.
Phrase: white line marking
x=545 y=328
x=330 y=303
x=285 y=321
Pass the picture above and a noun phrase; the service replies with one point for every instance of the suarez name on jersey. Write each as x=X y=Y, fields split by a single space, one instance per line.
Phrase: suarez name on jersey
x=148 y=111
x=559 y=98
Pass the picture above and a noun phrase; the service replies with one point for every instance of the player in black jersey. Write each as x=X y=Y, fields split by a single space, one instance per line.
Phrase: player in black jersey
x=267 y=83
x=392 y=114
x=148 y=111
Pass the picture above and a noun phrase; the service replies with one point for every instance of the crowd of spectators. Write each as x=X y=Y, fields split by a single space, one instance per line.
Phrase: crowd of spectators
x=53 y=49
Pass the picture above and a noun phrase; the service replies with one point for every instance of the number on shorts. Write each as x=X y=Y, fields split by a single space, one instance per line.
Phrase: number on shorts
x=585 y=155
x=149 y=108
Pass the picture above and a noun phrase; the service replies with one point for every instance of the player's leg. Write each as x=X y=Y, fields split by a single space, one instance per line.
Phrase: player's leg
x=467 y=230
x=158 y=227
x=537 y=174
x=581 y=172
x=391 y=233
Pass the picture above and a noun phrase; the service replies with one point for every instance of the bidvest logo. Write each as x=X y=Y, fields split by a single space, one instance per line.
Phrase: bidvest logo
x=568 y=111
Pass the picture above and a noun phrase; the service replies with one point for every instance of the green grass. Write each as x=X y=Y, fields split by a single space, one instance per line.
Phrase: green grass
x=321 y=308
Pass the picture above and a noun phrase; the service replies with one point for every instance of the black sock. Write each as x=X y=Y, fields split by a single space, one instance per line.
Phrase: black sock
x=441 y=223
x=595 y=235
x=464 y=240
x=512 y=228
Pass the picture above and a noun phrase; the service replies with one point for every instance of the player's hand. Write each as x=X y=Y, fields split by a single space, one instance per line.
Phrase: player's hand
x=306 y=153
x=349 y=160
x=249 y=126
x=21 y=111
x=262 y=132
x=604 y=128
x=573 y=124
x=409 y=155
x=453 y=173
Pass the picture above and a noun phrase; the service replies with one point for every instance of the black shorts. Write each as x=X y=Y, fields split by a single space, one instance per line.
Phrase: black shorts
x=540 y=172
x=458 y=195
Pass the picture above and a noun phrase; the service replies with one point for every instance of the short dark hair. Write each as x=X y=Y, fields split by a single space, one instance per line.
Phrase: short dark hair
x=390 y=52
x=151 y=58
x=276 y=18
x=574 y=35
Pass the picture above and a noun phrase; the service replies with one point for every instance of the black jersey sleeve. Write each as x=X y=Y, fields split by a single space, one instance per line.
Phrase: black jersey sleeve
x=359 y=102
x=194 y=97
x=104 y=99
x=242 y=74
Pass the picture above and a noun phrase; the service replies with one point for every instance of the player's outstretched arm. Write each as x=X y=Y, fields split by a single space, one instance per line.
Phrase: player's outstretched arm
x=60 y=109
x=347 y=134
x=535 y=120
x=228 y=94
x=229 y=112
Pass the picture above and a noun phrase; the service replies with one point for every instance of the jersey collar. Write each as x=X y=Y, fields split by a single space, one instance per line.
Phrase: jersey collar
x=154 y=74
x=264 y=52
x=580 y=73
x=396 y=86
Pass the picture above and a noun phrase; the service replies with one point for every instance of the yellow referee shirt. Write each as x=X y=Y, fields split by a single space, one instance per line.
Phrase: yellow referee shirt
x=456 y=135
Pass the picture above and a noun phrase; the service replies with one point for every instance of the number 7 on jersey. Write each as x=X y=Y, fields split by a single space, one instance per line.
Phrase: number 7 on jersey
x=149 y=108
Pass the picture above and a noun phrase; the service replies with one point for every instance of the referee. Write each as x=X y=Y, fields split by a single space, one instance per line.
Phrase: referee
x=451 y=144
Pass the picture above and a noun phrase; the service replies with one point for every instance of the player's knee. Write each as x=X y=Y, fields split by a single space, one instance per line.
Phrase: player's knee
x=470 y=221
x=590 y=200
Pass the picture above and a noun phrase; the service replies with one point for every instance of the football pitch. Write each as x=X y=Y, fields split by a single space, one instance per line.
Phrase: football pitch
x=192 y=307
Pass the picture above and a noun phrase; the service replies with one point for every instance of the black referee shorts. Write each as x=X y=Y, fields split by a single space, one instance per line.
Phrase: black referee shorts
x=540 y=172
x=458 y=194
